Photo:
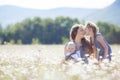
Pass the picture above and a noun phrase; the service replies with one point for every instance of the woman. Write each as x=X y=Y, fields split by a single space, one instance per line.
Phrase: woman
x=98 y=42
x=77 y=33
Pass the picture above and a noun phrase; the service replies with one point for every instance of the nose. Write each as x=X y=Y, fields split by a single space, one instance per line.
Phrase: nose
x=84 y=32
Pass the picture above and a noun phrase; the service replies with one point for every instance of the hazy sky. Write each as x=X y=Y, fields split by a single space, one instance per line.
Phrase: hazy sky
x=48 y=4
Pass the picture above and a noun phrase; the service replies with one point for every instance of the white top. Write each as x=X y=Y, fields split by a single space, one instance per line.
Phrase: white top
x=76 y=55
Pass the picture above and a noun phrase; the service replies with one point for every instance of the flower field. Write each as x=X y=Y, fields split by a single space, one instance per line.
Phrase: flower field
x=44 y=62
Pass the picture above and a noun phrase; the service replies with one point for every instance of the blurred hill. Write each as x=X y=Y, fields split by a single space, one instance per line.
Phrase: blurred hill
x=109 y=14
x=12 y=14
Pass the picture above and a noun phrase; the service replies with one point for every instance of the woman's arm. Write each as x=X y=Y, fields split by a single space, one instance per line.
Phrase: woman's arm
x=101 y=41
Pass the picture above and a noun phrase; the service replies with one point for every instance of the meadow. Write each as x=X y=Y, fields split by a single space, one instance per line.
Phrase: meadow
x=43 y=62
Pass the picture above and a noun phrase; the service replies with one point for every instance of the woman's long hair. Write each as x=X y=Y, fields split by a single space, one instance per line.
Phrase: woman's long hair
x=85 y=44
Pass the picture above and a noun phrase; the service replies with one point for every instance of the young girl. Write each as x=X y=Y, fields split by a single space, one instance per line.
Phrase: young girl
x=71 y=52
x=98 y=42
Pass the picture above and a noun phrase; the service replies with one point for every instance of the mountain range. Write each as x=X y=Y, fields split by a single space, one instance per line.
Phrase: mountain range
x=109 y=14
x=11 y=14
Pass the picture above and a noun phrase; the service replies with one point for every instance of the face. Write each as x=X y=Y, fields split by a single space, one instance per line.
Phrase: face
x=71 y=48
x=87 y=31
x=81 y=32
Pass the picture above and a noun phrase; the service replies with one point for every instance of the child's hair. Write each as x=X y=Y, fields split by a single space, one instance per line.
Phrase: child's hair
x=87 y=46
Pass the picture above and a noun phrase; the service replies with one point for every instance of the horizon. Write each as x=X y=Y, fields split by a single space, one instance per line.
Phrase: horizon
x=38 y=4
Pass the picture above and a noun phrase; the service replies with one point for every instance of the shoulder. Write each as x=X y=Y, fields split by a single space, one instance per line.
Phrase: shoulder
x=98 y=36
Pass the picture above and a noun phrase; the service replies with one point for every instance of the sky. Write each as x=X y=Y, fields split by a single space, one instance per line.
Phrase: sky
x=49 y=4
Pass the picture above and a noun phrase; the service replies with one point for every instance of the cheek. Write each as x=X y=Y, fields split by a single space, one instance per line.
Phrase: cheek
x=87 y=31
x=83 y=33
x=80 y=32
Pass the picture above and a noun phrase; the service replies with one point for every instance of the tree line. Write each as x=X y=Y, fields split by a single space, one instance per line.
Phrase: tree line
x=51 y=31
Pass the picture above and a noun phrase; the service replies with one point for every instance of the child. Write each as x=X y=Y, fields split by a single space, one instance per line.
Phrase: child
x=98 y=42
x=71 y=53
